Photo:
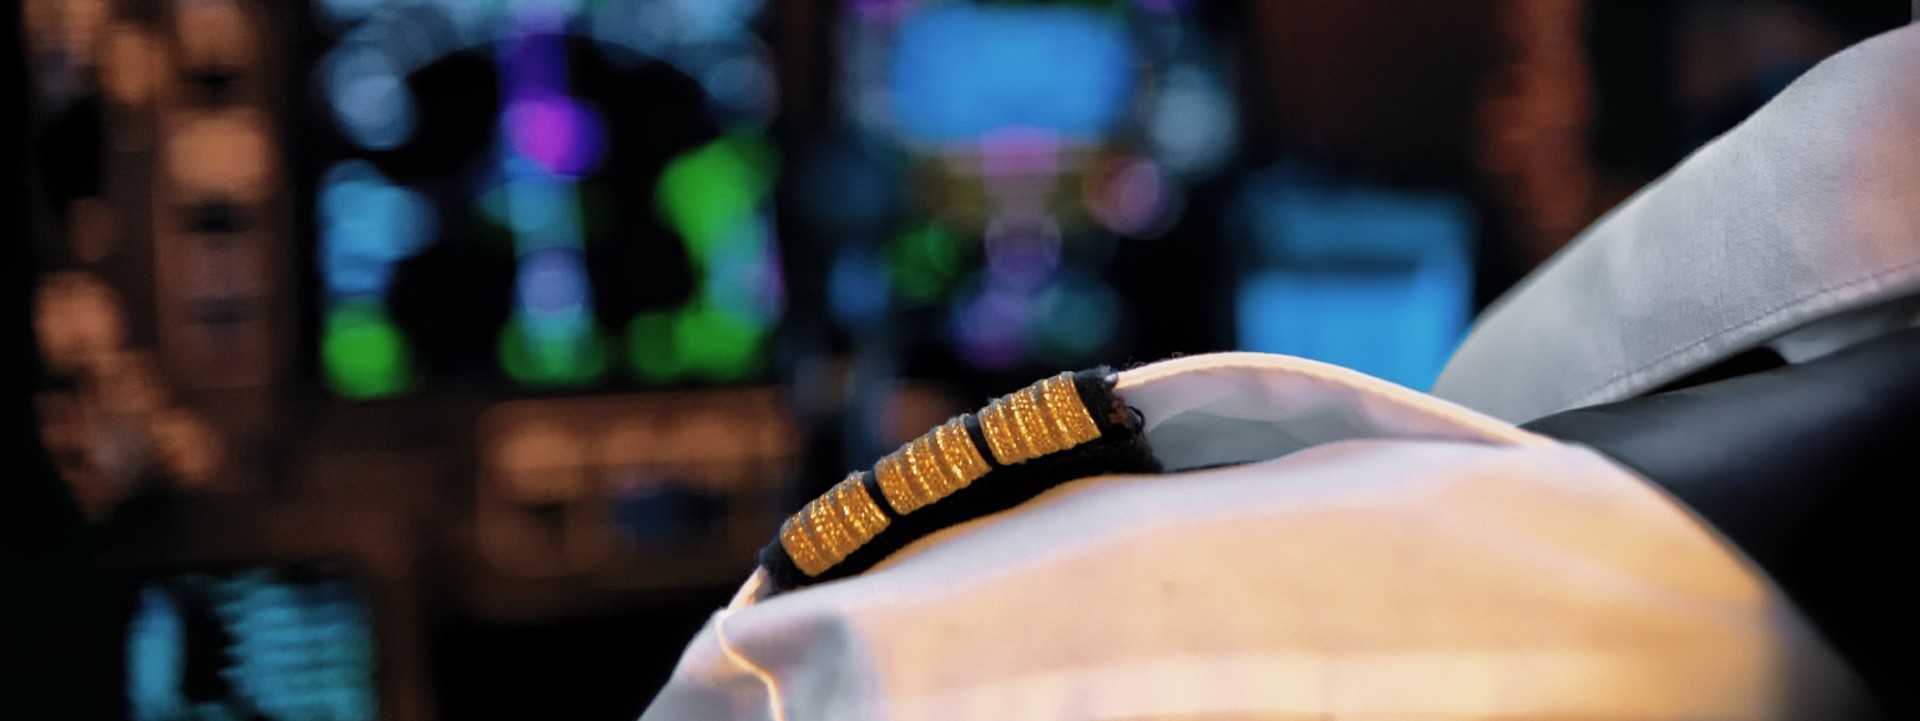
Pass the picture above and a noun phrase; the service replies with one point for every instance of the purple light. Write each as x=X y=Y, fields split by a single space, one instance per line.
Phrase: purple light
x=557 y=133
x=1020 y=151
x=990 y=330
x=1128 y=195
x=1022 y=252
x=773 y=285
x=533 y=63
x=881 y=11
x=552 y=282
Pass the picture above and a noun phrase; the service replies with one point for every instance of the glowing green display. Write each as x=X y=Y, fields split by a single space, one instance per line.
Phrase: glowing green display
x=650 y=347
x=551 y=363
x=924 y=262
x=726 y=345
x=712 y=195
x=363 y=354
x=708 y=192
x=699 y=340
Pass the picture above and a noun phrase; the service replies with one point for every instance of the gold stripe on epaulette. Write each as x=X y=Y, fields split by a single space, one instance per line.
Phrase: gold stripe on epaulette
x=1043 y=418
x=1046 y=417
x=930 y=468
x=799 y=543
x=832 y=527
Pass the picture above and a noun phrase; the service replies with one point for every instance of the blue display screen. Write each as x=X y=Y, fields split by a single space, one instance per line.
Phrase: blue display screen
x=257 y=643
x=963 y=71
x=1374 y=279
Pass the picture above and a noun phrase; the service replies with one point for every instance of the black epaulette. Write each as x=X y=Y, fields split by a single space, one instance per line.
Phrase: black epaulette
x=1064 y=428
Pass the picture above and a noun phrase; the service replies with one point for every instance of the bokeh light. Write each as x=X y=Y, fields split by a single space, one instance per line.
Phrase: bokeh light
x=561 y=134
x=554 y=355
x=369 y=97
x=710 y=191
x=366 y=225
x=1076 y=318
x=924 y=262
x=1128 y=195
x=364 y=355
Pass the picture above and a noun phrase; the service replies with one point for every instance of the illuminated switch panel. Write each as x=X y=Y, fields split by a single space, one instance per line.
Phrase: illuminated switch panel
x=576 y=486
x=262 y=642
x=161 y=300
x=560 y=196
x=215 y=259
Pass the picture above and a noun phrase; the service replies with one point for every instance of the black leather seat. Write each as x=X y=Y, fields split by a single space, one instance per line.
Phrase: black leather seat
x=1811 y=469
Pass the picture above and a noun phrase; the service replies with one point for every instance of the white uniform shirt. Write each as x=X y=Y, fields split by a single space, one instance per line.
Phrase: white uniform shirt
x=1376 y=554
